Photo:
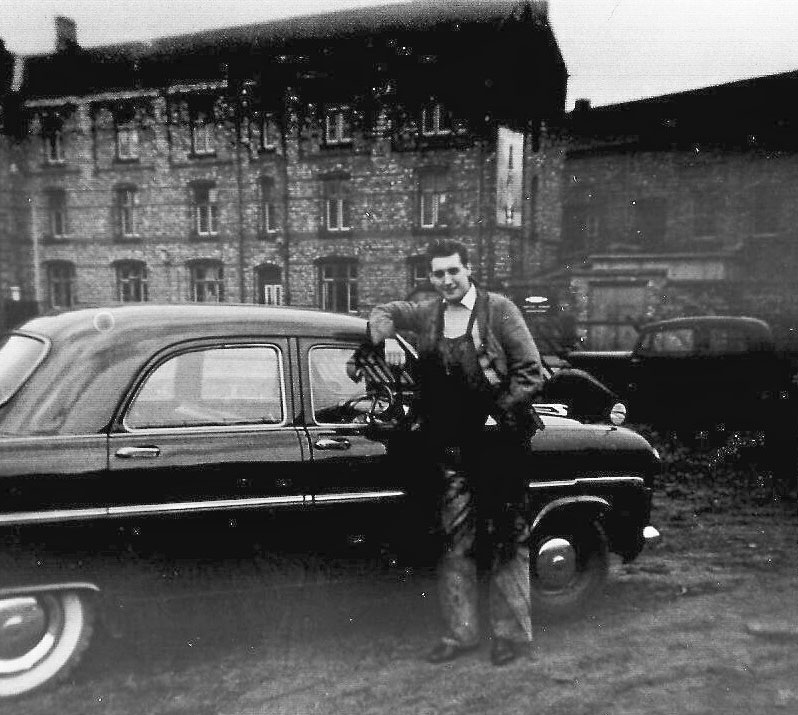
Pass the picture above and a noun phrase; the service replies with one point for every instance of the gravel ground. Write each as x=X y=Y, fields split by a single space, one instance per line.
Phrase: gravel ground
x=704 y=622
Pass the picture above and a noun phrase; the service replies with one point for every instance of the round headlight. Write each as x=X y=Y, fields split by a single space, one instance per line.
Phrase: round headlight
x=618 y=413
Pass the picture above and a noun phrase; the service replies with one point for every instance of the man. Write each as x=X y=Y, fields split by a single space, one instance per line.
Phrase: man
x=476 y=358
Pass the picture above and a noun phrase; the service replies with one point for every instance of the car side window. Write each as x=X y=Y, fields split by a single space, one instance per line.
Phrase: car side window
x=211 y=387
x=335 y=395
x=724 y=341
x=681 y=340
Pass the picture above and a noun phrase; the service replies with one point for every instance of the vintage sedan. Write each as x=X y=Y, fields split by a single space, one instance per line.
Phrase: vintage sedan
x=137 y=441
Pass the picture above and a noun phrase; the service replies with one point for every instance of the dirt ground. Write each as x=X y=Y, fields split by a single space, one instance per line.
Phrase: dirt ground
x=705 y=622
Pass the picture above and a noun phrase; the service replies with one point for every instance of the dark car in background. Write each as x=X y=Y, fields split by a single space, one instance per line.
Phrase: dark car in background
x=138 y=441
x=700 y=371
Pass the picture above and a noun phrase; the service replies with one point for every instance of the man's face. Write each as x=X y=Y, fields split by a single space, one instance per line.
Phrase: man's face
x=450 y=277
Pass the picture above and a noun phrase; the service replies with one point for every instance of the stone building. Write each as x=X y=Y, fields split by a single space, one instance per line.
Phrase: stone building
x=305 y=161
x=680 y=204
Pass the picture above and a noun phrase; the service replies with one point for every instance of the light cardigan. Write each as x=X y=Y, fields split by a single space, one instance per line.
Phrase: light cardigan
x=506 y=351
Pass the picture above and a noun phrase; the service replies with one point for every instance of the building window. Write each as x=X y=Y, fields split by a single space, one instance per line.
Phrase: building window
x=434 y=120
x=432 y=200
x=705 y=215
x=57 y=213
x=648 y=222
x=54 y=146
x=767 y=210
x=336 y=127
x=269 y=133
x=206 y=209
x=338 y=286
x=126 y=203
x=268 y=213
x=581 y=228
x=337 y=214
x=61 y=284
x=207 y=283
x=203 y=136
x=131 y=282
x=127 y=142
x=418 y=272
x=269 y=285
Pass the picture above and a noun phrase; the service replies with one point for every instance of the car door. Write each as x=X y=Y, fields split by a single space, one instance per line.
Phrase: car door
x=209 y=427
x=664 y=373
x=350 y=461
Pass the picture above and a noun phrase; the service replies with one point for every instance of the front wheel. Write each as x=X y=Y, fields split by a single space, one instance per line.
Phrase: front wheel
x=42 y=637
x=568 y=565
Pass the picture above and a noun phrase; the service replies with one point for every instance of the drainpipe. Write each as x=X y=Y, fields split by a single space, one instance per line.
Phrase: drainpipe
x=241 y=104
x=481 y=214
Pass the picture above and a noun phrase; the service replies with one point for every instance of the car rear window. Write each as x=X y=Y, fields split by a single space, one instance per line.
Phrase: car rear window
x=19 y=356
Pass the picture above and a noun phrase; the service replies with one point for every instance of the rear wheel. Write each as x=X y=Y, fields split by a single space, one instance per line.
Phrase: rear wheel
x=568 y=565
x=42 y=637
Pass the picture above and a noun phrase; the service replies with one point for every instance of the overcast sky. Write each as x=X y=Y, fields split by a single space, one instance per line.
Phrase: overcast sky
x=615 y=50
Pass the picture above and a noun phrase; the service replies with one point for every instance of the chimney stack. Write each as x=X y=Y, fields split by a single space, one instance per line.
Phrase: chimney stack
x=66 y=34
x=582 y=105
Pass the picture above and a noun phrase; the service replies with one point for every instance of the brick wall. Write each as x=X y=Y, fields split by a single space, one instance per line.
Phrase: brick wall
x=383 y=182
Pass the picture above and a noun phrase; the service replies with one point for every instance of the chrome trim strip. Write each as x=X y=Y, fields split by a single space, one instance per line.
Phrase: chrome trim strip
x=354 y=497
x=193 y=507
x=53 y=516
x=64 y=515
x=555 y=484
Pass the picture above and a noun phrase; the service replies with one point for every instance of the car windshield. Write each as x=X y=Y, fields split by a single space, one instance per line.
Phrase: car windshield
x=19 y=356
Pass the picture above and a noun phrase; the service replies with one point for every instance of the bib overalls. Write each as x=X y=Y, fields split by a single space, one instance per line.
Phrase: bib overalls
x=458 y=405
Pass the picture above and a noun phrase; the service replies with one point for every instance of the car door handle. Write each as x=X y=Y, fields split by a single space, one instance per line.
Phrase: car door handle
x=138 y=452
x=332 y=443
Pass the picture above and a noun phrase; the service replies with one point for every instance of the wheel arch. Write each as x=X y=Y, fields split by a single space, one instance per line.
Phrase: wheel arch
x=558 y=508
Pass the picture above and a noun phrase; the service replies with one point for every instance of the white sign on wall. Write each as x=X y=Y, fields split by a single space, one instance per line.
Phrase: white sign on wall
x=509 y=177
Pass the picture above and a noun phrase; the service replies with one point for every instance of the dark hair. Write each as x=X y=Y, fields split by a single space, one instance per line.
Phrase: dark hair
x=442 y=247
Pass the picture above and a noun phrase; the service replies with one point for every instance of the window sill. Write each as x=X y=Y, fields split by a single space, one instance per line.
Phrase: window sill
x=269 y=235
x=439 y=230
x=127 y=159
x=202 y=155
x=55 y=240
x=131 y=238
x=199 y=237
x=334 y=233
x=60 y=167
x=337 y=143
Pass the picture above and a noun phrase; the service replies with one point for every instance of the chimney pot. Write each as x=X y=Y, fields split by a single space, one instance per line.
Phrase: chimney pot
x=66 y=33
x=582 y=105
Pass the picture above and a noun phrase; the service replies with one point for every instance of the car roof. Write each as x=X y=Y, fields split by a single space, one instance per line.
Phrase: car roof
x=194 y=320
x=753 y=324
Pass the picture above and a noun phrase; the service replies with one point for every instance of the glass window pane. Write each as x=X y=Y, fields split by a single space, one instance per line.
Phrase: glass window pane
x=216 y=387
x=333 y=392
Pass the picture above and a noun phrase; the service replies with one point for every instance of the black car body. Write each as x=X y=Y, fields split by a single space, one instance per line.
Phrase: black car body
x=132 y=435
x=699 y=371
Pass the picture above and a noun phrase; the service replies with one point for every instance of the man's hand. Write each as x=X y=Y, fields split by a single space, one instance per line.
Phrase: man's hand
x=394 y=354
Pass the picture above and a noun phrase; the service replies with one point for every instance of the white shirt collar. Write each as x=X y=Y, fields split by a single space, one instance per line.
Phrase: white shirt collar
x=470 y=298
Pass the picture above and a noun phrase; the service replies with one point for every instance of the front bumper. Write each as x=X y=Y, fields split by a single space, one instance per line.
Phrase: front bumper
x=651 y=534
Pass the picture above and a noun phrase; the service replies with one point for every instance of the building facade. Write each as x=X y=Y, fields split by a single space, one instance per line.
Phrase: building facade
x=305 y=162
x=678 y=205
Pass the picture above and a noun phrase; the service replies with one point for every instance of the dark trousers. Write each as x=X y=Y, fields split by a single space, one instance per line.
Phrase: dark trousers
x=477 y=506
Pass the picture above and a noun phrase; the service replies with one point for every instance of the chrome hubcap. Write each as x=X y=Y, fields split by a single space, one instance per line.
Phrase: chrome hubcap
x=556 y=563
x=29 y=627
